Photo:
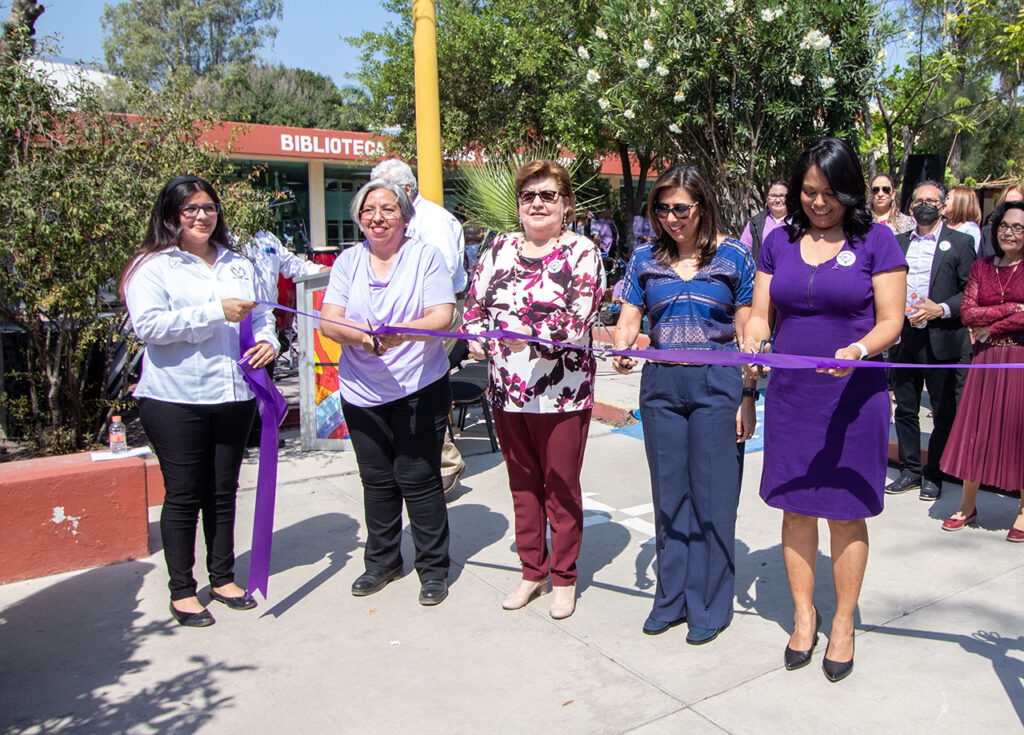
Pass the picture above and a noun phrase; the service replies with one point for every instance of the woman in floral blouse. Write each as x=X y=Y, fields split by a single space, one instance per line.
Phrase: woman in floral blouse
x=545 y=281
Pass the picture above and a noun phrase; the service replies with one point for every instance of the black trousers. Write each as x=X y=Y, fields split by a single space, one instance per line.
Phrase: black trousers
x=398 y=450
x=943 y=384
x=200 y=449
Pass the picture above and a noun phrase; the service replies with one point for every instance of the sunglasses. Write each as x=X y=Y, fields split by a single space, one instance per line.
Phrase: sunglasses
x=547 y=196
x=681 y=211
x=883 y=189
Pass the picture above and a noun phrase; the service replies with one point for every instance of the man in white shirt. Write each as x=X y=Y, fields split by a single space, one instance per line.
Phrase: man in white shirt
x=940 y=260
x=435 y=225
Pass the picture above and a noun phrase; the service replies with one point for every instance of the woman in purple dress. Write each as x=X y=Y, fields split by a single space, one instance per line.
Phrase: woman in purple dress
x=833 y=285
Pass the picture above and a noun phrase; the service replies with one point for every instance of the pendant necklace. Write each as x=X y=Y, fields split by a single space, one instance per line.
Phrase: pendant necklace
x=1002 y=288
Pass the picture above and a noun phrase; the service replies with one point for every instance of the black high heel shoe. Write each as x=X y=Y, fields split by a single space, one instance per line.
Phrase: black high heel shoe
x=798 y=659
x=836 y=670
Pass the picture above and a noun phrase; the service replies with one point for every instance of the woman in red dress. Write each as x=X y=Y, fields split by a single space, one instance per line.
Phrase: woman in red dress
x=989 y=425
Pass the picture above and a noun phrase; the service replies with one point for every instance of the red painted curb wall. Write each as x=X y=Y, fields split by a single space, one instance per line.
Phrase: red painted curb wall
x=58 y=514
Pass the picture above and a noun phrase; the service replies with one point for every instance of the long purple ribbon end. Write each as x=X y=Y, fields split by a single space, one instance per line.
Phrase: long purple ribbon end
x=273 y=408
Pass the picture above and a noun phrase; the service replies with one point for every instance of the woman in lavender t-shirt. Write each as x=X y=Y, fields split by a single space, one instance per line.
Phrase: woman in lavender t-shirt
x=394 y=387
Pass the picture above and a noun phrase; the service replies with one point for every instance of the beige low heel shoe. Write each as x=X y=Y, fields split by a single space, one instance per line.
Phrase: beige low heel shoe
x=563 y=601
x=524 y=593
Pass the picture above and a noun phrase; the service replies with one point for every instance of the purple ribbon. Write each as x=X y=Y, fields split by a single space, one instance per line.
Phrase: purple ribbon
x=273 y=408
x=696 y=357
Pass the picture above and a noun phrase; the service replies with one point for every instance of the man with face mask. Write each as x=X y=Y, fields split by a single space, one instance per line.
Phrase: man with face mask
x=940 y=260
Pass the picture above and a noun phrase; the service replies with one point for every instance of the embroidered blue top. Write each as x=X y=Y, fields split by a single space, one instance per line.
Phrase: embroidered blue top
x=694 y=314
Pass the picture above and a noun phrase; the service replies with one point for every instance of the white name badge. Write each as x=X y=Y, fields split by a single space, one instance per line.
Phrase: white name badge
x=846 y=258
x=944 y=245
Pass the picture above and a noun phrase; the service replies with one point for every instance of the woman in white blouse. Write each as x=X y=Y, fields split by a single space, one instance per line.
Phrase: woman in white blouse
x=187 y=288
x=963 y=213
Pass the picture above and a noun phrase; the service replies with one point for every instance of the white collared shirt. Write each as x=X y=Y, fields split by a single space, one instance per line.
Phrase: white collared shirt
x=273 y=258
x=435 y=225
x=920 y=255
x=174 y=300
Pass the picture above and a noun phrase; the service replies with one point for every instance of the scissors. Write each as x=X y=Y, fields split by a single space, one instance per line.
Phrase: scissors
x=376 y=342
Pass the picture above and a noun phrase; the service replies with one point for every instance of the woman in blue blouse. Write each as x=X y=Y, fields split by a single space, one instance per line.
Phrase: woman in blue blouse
x=695 y=287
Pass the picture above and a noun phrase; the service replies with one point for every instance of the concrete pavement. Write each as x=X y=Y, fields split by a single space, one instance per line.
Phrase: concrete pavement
x=940 y=645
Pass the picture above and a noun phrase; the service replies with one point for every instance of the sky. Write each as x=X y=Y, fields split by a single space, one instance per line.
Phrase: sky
x=309 y=33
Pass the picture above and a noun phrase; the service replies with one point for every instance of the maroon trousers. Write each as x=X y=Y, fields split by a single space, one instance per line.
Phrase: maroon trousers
x=544 y=455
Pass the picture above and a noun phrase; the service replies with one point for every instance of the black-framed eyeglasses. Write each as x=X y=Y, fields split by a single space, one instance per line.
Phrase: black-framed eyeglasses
x=1016 y=229
x=192 y=210
x=933 y=202
x=547 y=196
x=883 y=189
x=681 y=211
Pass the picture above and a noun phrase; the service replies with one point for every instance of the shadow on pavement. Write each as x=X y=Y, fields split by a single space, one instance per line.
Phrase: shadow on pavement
x=90 y=618
x=987 y=644
x=331 y=536
x=474 y=527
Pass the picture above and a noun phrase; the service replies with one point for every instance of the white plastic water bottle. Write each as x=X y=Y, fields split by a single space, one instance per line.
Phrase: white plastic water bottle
x=118 y=439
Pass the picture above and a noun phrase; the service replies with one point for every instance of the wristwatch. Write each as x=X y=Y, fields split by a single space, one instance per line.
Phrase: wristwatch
x=753 y=393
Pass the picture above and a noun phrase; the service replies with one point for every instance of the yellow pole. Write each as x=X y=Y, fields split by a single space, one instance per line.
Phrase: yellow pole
x=428 y=108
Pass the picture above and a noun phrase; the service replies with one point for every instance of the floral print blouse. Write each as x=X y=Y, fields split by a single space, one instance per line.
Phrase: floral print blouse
x=556 y=297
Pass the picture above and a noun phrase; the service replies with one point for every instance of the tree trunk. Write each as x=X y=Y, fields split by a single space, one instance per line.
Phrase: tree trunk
x=19 y=29
x=627 y=175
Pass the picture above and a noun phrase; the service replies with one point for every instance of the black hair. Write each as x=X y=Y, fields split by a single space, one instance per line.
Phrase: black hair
x=164 y=230
x=841 y=167
x=997 y=219
x=690 y=179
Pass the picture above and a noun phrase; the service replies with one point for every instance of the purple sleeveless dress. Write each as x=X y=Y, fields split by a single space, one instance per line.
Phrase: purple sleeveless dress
x=826 y=439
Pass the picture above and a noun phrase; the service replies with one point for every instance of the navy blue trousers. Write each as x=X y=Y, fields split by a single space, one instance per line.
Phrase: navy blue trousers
x=689 y=419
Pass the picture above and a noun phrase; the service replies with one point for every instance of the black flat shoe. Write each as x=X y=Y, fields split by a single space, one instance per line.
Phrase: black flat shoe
x=235 y=603
x=798 y=659
x=433 y=592
x=192 y=620
x=835 y=670
x=372 y=581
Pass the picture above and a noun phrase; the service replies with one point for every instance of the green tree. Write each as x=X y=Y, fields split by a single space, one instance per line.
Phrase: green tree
x=501 y=66
x=281 y=95
x=955 y=91
x=75 y=198
x=18 y=30
x=738 y=88
x=153 y=42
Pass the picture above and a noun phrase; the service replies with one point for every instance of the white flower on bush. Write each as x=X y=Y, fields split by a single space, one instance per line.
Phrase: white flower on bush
x=673 y=128
x=827 y=82
x=873 y=108
x=816 y=40
x=880 y=56
x=593 y=76
x=768 y=15
x=662 y=71
x=583 y=53
x=679 y=96
x=730 y=6
x=648 y=46
x=654 y=12
x=911 y=36
x=796 y=80
x=642 y=63
x=604 y=103
x=600 y=33
x=628 y=114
